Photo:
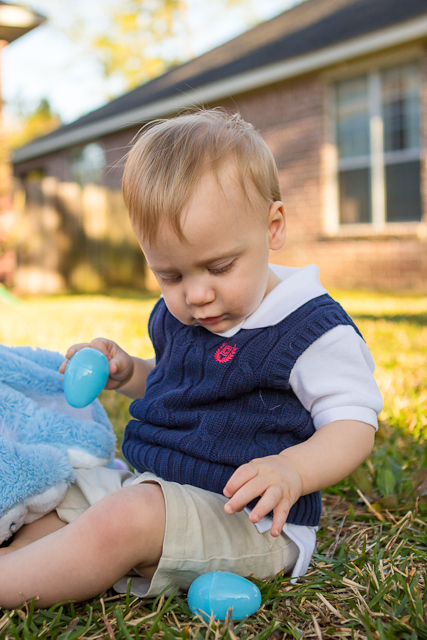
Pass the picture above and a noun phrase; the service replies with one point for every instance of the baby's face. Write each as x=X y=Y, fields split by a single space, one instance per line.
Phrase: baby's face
x=220 y=275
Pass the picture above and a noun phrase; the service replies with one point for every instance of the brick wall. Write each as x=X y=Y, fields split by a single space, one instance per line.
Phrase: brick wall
x=55 y=165
x=117 y=146
x=424 y=136
x=394 y=263
x=291 y=118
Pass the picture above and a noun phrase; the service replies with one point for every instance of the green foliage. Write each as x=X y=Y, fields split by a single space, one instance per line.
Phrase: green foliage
x=395 y=329
x=386 y=482
x=140 y=43
x=86 y=279
x=141 y=39
x=28 y=125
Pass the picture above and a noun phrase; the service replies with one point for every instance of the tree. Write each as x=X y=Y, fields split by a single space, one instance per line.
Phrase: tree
x=143 y=41
x=143 y=38
x=27 y=125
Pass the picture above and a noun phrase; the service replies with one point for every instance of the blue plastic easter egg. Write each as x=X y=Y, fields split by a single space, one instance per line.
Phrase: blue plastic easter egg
x=216 y=592
x=85 y=377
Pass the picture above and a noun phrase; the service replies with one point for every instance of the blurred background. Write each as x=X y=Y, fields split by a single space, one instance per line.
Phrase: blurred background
x=336 y=87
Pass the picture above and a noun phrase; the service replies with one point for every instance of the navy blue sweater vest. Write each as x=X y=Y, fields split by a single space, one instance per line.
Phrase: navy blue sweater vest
x=214 y=403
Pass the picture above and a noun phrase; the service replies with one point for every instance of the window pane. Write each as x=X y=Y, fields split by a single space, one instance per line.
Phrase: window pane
x=355 y=196
x=403 y=192
x=88 y=164
x=352 y=117
x=401 y=107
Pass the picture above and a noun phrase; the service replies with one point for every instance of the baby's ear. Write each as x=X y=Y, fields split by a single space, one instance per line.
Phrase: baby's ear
x=277 y=225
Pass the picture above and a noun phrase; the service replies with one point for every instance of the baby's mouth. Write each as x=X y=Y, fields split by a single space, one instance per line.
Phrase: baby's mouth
x=209 y=320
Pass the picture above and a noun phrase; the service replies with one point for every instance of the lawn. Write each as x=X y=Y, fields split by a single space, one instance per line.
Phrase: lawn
x=367 y=578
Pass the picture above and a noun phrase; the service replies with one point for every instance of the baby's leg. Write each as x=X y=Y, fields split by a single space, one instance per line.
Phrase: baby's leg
x=34 y=531
x=90 y=554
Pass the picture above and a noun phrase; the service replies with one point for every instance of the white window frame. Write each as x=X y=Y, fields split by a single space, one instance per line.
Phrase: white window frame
x=332 y=164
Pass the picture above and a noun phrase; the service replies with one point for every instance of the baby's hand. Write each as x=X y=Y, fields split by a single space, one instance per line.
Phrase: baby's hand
x=275 y=478
x=121 y=363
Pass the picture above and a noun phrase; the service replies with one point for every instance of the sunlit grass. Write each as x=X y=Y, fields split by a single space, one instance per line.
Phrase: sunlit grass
x=395 y=329
x=57 y=323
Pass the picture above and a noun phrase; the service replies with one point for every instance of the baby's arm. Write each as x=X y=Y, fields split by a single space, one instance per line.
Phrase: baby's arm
x=135 y=386
x=333 y=379
x=128 y=374
x=330 y=455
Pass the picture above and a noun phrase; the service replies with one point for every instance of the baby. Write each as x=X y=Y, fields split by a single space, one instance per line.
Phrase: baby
x=261 y=393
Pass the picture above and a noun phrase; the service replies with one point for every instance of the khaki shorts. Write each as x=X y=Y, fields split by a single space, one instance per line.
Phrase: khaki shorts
x=199 y=535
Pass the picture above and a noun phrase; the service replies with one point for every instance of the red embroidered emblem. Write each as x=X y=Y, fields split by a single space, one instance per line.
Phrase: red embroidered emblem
x=225 y=352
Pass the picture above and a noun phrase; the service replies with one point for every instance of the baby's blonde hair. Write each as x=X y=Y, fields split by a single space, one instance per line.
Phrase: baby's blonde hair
x=170 y=156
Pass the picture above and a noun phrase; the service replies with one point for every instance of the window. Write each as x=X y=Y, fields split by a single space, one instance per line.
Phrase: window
x=353 y=142
x=87 y=164
x=378 y=142
x=402 y=134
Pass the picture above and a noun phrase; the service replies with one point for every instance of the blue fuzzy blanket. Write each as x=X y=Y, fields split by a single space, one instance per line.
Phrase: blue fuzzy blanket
x=42 y=438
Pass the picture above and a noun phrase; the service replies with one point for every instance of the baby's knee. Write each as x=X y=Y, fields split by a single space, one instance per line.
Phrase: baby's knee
x=131 y=511
x=141 y=501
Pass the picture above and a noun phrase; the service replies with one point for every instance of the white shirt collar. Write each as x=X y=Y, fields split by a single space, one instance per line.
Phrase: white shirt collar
x=298 y=286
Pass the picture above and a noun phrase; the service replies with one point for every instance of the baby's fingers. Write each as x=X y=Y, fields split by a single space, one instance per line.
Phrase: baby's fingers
x=63 y=366
x=269 y=501
x=242 y=475
x=71 y=351
x=248 y=492
x=281 y=513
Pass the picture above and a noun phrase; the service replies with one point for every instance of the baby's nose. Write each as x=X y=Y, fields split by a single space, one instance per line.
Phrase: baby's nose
x=199 y=294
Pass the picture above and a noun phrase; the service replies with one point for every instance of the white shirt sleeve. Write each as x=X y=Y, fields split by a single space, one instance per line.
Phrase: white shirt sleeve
x=333 y=379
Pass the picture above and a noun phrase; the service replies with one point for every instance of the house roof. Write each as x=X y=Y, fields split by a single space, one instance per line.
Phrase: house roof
x=16 y=21
x=307 y=31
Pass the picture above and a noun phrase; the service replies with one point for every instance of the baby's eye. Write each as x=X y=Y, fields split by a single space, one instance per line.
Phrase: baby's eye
x=172 y=279
x=224 y=269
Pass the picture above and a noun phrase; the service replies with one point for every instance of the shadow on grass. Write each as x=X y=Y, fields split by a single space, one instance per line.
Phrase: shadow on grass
x=419 y=319
x=131 y=294
x=113 y=292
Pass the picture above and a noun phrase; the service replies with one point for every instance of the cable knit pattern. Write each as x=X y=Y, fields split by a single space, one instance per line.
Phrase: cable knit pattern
x=214 y=403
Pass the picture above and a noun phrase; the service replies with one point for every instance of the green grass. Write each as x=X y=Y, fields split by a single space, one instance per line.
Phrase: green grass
x=367 y=578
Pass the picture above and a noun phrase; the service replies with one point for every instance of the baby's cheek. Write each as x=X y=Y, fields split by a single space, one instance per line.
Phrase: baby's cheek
x=173 y=306
x=237 y=306
x=248 y=301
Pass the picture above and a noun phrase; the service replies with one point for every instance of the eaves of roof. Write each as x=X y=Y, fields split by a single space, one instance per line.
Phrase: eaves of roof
x=16 y=21
x=234 y=77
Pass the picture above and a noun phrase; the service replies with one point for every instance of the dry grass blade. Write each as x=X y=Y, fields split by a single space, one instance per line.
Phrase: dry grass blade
x=329 y=606
x=109 y=628
x=370 y=507
x=317 y=628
